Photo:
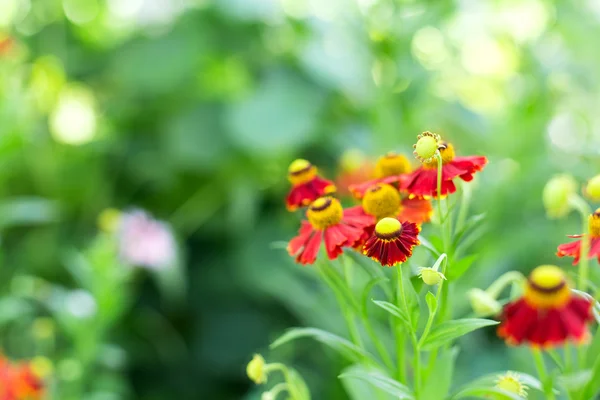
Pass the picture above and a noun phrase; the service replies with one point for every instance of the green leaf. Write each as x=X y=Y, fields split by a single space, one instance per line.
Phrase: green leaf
x=297 y=387
x=483 y=392
x=381 y=381
x=467 y=228
x=450 y=330
x=429 y=246
x=27 y=211
x=458 y=268
x=412 y=303
x=438 y=383
x=593 y=351
x=395 y=311
x=367 y=290
x=576 y=380
x=431 y=302
x=341 y=345
x=593 y=386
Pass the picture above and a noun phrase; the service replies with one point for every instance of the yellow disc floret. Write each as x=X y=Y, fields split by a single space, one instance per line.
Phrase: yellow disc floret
x=511 y=383
x=447 y=153
x=426 y=146
x=594 y=224
x=392 y=164
x=301 y=171
x=382 y=200
x=388 y=229
x=547 y=287
x=325 y=212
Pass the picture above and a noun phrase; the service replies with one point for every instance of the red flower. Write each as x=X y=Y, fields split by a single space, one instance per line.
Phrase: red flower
x=19 y=381
x=423 y=181
x=573 y=249
x=391 y=169
x=327 y=222
x=307 y=185
x=392 y=242
x=548 y=314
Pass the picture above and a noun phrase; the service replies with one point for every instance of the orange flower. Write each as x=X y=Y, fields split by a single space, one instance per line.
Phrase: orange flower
x=548 y=314
x=392 y=241
x=307 y=185
x=573 y=249
x=391 y=169
x=423 y=181
x=19 y=381
x=328 y=222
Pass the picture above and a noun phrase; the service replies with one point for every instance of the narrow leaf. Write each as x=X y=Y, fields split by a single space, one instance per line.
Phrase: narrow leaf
x=368 y=287
x=437 y=384
x=380 y=381
x=450 y=330
x=341 y=345
x=458 y=268
x=429 y=246
x=396 y=312
x=431 y=302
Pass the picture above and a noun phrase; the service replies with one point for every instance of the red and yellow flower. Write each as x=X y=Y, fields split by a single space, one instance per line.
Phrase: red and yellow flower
x=307 y=185
x=573 y=249
x=328 y=222
x=548 y=314
x=390 y=169
x=19 y=381
x=392 y=241
x=423 y=181
x=383 y=200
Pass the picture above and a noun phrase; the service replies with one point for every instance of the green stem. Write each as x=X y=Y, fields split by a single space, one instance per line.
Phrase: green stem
x=413 y=337
x=381 y=350
x=277 y=389
x=465 y=201
x=584 y=210
x=543 y=374
x=346 y=312
x=438 y=156
x=503 y=281
x=432 y=314
x=400 y=352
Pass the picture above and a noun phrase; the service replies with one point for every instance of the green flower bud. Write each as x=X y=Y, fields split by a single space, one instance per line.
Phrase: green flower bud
x=431 y=276
x=592 y=189
x=483 y=303
x=426 y=146
x=556 y=195
x=256 y=369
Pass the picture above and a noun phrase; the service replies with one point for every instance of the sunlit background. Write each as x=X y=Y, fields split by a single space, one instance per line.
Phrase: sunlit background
x=193 y=109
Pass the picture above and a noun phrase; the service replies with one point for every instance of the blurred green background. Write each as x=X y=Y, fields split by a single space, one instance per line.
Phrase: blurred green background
x=193 y=109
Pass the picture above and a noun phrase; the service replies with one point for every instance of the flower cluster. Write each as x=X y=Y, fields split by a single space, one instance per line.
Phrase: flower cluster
x=393 y=203
x=20 y=381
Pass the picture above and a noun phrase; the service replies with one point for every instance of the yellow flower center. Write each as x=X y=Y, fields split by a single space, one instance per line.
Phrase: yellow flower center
x=426 y=146
x=381 y=200
x=594 y=224
x=325 y=212
x=511 y=383
x=447 y=152
x=301 y=171
x=547 y=288
x=388 y=229
x=392 y=164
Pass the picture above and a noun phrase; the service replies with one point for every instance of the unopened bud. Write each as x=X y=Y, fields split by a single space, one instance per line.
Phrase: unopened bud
x=426 y=146
x=483 y=303
x=592 y=189
x=256 y=369
x=431 y=276
x=556 y=195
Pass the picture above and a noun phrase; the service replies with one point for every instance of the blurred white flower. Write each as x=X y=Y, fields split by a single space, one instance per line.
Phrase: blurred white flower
x=145 y=242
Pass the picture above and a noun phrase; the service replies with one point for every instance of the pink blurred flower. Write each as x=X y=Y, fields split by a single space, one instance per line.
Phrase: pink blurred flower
x=145 y=242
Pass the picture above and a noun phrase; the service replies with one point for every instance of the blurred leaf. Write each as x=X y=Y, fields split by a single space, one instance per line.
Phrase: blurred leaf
x=438 y=383
x=458 y=268
x=27 y=211
x=432 y=302
x=297 y=386
x=381 y=381
x=576 y=380
x=12 y=308
x=396 y=312
x=482 y=392
x=367 y=290
x=469 y=226
x=279 y=117
x=450 y=330
x=341 y=345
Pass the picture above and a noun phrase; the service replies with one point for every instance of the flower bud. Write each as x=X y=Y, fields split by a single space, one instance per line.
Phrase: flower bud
x=431 y=276
x=556 y=195
x=483 y=303
x=109 y=219
x=592 y=189
x=511 y=383
x=427 y=145
x=256 y=369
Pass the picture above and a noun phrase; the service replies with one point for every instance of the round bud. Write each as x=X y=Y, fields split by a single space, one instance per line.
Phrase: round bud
x=431 y=276
x=592 y=189
x=256 y=369
x=427 y=145
x=483 y=303
x=556 y=195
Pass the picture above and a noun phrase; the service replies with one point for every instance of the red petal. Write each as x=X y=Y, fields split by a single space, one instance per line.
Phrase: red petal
x=309 y=254
x=304 y=194
x=572 y=249
x=415 y=210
